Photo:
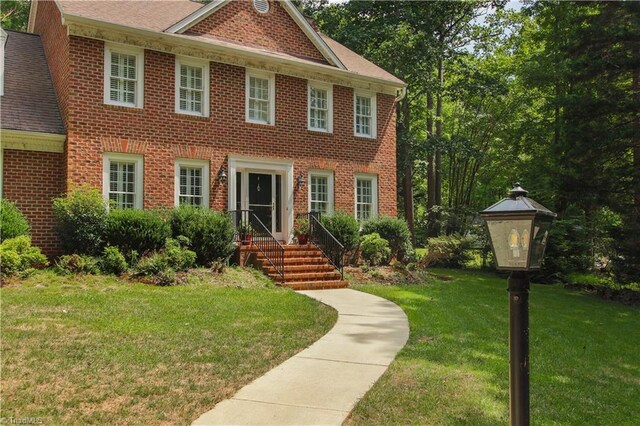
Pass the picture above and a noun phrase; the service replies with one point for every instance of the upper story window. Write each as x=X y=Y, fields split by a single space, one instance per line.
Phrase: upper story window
x=260 y=98
x=192 y=87
x=122 y=180
x=192 y=183
x=123 y=76
x=366 y=187
x=320 y=107
x=321 y=191
x=364 y=114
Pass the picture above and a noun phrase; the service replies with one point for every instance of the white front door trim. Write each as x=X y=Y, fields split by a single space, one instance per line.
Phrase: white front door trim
x=283 y=167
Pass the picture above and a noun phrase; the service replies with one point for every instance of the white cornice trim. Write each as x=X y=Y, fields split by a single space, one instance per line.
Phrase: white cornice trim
x=197 y=16
x=32 y=141
x=33 y=10
x=217 y=52
x=293 y=11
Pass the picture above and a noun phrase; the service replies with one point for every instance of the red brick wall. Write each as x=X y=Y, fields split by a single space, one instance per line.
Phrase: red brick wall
x=48 y=24
x=239 y=22
x=31 y=180
x=161 y=135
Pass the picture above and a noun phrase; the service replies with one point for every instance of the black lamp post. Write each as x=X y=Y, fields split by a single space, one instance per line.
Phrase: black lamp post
x=518 y=229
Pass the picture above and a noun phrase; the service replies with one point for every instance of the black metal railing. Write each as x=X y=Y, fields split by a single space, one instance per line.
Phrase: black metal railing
x=251 y=230
x=330 y=247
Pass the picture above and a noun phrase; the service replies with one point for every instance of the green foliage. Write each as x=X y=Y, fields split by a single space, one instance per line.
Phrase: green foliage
x=395 y=231
x=162 y=266
x=301 y=226
x=374 y=249
x=113 y=262
x=12 y=221
x=569 y=249
x=136 y=230
x=344 y=227
x=78 y=264
x=448 y=250
x=81 y=219
x=211 y=233
x=15 y=14
x=18 y=256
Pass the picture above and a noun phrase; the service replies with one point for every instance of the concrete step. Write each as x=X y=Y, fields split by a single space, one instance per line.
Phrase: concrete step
x=298 y=268
x=307 y=276
x=315 y=285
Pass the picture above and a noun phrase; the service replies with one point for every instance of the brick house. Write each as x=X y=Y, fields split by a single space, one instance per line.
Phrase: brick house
x=232 y=105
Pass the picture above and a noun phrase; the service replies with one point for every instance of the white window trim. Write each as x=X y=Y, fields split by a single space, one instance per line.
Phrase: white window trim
x=139 y=54
x=138 y=160
x=206 y=172
x=374 y=191
x=329 y=89
x=374 y=113
x=205 y=85
x=322 y=173
x=272 y=96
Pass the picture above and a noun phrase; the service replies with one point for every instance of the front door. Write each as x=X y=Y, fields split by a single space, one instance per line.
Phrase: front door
x=264 y=198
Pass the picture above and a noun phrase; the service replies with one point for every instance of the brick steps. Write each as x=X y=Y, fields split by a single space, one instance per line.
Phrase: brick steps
x=304 y=268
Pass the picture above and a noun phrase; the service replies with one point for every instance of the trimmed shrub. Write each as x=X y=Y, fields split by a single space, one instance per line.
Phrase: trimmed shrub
x=395 y=231
x=211 y=233
x=18 y=256
x=12 y=222
x=451 y=251
x=78 y=264
x=375 y=250
x=136 y=230
x=113 y=262
x=81 y=219
x=344 y=227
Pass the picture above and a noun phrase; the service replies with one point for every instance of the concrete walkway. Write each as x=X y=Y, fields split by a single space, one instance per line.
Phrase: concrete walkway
x=322 y=384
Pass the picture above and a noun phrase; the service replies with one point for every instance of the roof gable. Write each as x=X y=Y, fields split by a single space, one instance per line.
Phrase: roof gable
x=281 y=29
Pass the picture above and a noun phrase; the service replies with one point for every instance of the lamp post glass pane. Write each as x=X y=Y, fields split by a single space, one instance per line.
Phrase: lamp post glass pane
x=511 y=241
x=539 y=242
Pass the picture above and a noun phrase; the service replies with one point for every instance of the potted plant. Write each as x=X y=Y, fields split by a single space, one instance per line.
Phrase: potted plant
x=301 y=229
x=245 y=231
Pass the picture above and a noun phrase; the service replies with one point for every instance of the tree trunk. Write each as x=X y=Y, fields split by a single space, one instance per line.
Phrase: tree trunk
x=431 y=169
x=636 y=139
x=439 y=130
x=407 y=179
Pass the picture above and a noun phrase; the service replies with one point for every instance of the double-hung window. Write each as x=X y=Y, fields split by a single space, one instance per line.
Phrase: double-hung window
x=122 y=180
x=364 y=114
x=320 y=110
x=260 y=98
x=192 y=87
x=321 y=191
x=192 y=183
x=366 y=191
x=123 y=76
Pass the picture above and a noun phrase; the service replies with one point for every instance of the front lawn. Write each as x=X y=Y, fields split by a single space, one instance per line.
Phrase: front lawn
x=95 y=349
x=585 y=361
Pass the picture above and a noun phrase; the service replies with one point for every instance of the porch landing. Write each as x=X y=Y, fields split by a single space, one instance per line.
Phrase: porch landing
x=305 y=268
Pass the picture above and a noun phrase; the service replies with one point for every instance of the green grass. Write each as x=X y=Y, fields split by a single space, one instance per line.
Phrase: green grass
x=79 y=350
x=585 y=359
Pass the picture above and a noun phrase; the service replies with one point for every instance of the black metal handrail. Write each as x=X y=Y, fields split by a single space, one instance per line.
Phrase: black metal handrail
x=324 y=240
x=261 y=237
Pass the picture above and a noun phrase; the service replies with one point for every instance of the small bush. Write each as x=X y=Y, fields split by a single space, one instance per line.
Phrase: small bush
x=18 y=256
x=375 y=250
x=136 y=230
x=81 y=219
x=395 y=231
x=162 y=266
x=211 y=233
x=451 y=251
x=78 y=264
x=113 y=262
x=12 y=222
x=344 y=227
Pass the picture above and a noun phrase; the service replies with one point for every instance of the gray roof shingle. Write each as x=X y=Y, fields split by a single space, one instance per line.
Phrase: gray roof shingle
x=29 y=102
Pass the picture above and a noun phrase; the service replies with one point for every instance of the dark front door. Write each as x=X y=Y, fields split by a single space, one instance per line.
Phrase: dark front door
x=261 y=199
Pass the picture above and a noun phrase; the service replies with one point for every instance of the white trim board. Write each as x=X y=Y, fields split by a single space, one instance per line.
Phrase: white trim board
x=32 y=141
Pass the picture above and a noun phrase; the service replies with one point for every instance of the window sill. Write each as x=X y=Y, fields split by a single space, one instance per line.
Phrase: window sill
x=131 y=109
x=365 y=137
x=319 y=132
x=193 y=117
x=264 y=126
